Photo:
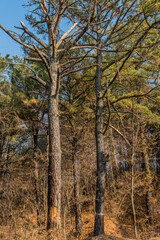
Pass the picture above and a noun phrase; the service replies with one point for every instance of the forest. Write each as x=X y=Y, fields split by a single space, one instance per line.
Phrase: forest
x=80 y=122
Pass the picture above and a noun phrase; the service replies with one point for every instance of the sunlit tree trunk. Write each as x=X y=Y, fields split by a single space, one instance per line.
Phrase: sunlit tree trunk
x=54 y=168
x=100 y=188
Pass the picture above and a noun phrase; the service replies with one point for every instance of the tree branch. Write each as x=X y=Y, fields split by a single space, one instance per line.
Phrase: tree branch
x=135 y=95
x=33 y=36
x=35 y=76
x=65 y=35
x=33 y=59
x=15 y=39
x=44 y=60
x=116 y=130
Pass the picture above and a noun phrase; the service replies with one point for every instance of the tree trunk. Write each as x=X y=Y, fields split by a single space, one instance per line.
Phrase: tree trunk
x=149 y=205
x=100 y=189
x=54 y=168
x=76 y=189
x=158 y=156
x=132 y=193
x=36 y=181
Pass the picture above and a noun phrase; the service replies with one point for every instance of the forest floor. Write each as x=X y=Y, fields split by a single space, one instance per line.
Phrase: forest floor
x=111 y=228
x=25 y=229
x=113 y=231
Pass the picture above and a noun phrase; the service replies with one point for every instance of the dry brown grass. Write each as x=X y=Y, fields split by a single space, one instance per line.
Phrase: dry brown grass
x=26 y=228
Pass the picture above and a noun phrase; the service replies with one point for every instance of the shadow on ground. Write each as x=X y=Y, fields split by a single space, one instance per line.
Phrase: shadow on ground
x=104 y=237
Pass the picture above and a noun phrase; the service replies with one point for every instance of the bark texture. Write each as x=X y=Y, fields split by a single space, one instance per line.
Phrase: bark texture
x=36 y=166
x=54 y=168
x=100 y=188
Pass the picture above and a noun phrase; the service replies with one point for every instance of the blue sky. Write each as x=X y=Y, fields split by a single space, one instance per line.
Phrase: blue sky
x=11 y=12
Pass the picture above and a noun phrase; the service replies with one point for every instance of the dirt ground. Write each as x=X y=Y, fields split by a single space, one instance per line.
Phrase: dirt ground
x=111 y=227
x=26 y=229
x=113 y=231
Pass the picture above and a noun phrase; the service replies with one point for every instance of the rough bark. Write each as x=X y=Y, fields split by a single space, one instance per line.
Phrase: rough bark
x=100 y=188
x=54 y=168
x=51 y=15
x=36 y=166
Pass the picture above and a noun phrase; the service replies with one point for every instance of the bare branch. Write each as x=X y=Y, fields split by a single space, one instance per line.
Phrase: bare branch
x=38 y=79
x=15 y=39
x=79 y=69
x=33 y=59
x=76 y=62
x=84 y=30
x=116 y=130
x=65 y=35
x=33 y=36
x=44 y=60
